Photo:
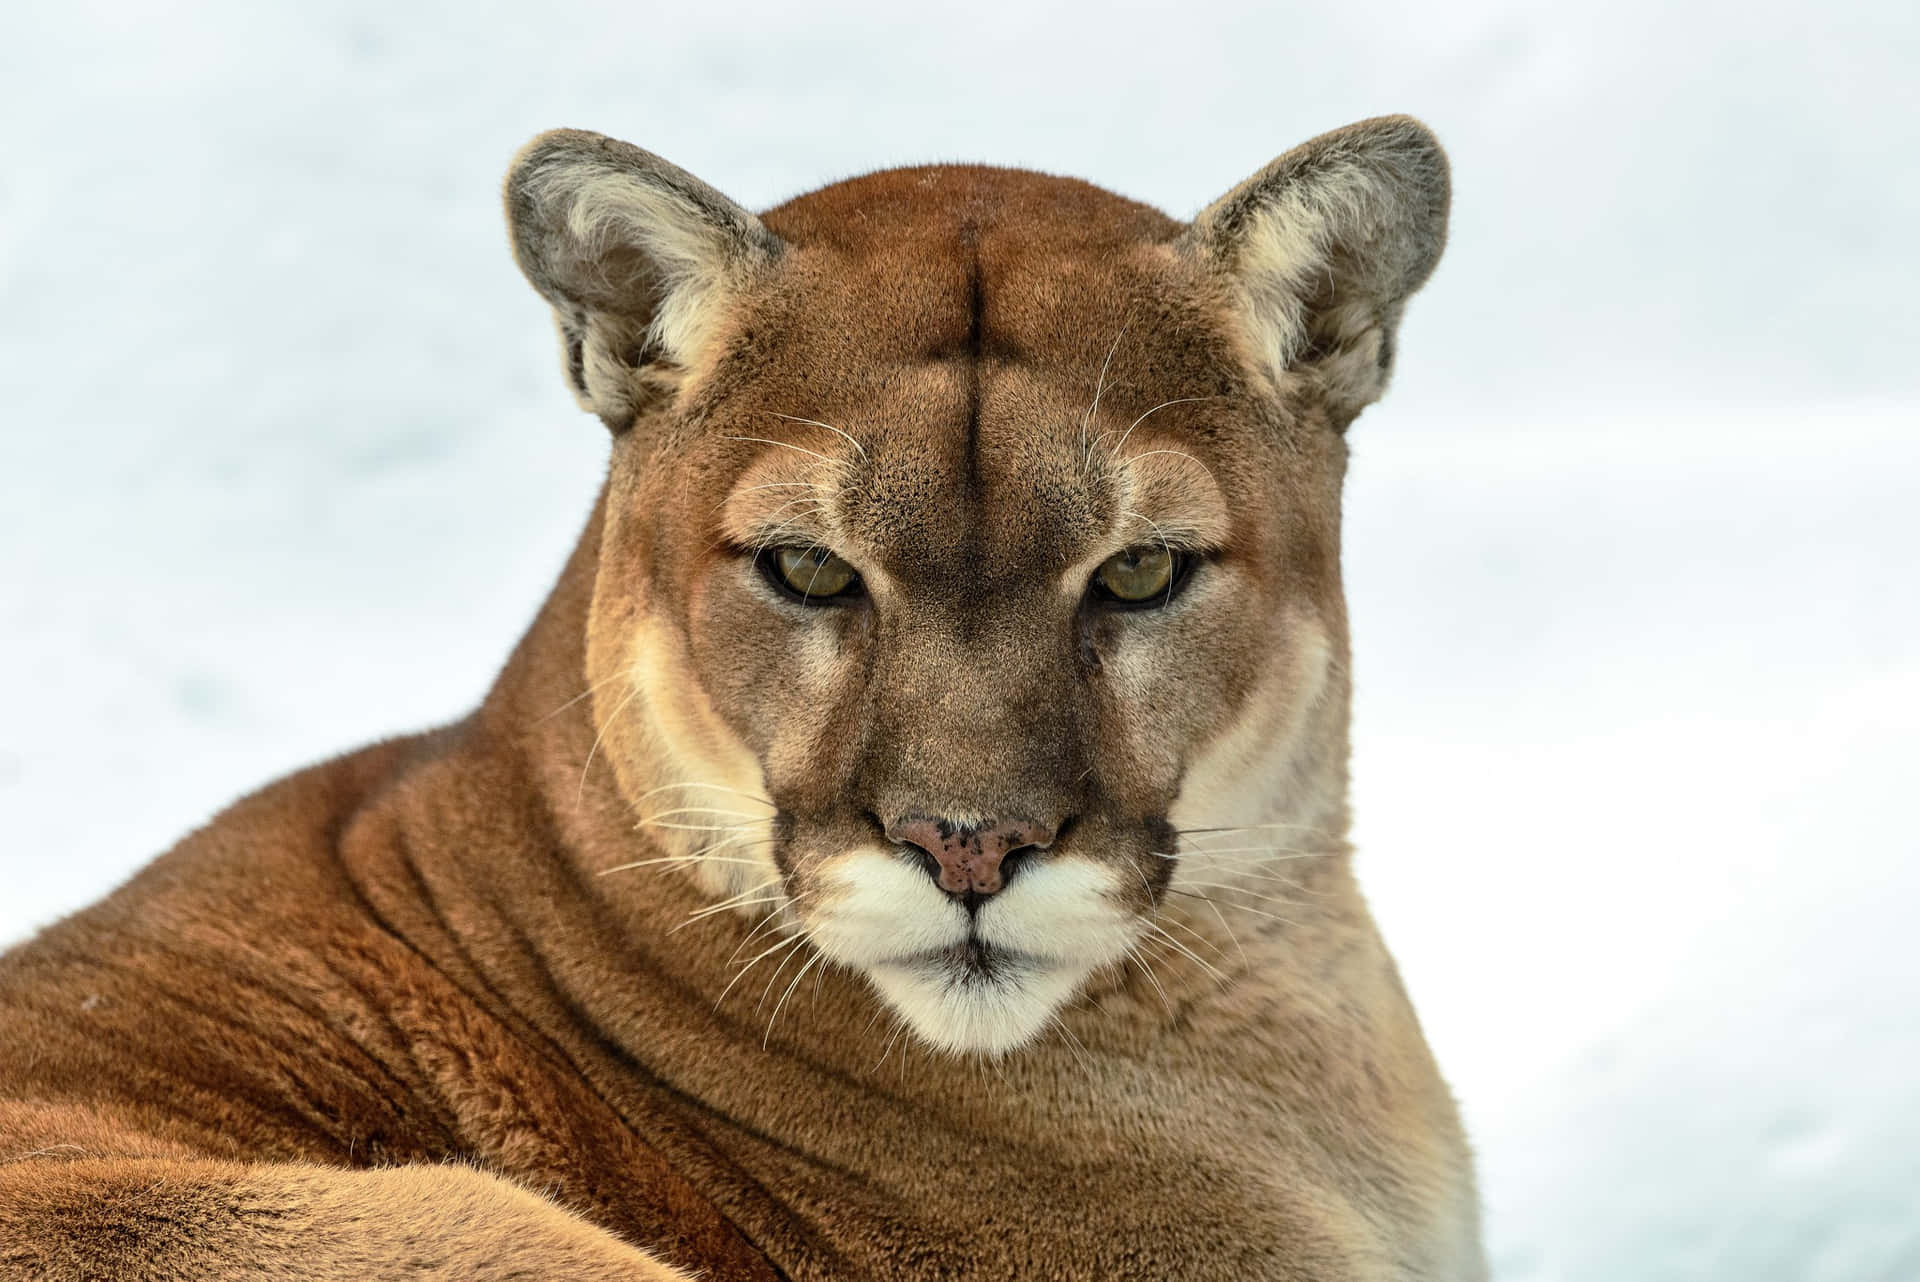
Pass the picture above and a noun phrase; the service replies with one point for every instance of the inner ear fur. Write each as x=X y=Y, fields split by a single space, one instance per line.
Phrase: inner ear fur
x=1324 y=246
x=636 y=256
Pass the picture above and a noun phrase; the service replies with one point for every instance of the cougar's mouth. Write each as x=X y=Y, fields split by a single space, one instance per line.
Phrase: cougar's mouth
x=970 y=957
x=976 y=957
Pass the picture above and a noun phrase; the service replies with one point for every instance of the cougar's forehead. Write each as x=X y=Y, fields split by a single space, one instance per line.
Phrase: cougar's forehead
x=960 y=326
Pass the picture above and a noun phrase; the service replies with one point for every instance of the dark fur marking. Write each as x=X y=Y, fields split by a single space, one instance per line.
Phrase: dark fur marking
x=976 y=311
x=577 y=359
x=1164 y=837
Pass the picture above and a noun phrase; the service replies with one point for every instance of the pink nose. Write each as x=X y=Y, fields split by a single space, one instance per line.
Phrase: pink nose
x=971 y=858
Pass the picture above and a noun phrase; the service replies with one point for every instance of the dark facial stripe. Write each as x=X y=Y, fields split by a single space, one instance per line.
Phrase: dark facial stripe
x=976 y=320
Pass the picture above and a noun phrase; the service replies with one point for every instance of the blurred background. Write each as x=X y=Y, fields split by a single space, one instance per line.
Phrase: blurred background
x=286 y=464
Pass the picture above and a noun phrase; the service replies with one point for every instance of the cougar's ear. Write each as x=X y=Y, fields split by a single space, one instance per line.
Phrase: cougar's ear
x=1323 y=247
x=637 y=256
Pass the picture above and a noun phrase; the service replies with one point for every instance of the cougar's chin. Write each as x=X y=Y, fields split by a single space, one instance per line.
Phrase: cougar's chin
x=977 y=1000
x=986 y=982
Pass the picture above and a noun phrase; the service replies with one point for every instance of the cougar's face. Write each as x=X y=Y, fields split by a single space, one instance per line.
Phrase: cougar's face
x=972 y=538
x=967 y=569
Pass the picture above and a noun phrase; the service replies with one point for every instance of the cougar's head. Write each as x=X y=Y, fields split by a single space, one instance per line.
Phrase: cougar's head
x=972 y=538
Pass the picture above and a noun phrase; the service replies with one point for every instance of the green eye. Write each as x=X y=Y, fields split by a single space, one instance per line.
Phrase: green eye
x=1140 y=576
x=813 y=574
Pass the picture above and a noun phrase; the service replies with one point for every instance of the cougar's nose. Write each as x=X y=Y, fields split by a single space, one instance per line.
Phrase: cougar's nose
x=970 y=860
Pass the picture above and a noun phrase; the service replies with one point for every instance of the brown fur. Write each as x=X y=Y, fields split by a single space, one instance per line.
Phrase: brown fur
x=440 y=1008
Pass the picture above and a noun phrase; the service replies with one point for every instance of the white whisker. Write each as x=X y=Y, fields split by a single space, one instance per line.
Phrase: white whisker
x=1222 y=919
x=1131 y=459
x=680 y=859
x=777 y=971
x=1275 y=854
x=1099 y=388
x=1074 y=1046
x=603 y=681
x=1175 y=921
x=1258 y=912
x=766 y=923
x=1251 y=827
x=814 y=422
x=648 y=823
x=761 y=440
x=801 y=974
x=1184 y=400
x=726 y=905
x=788 y=942
x=714 y=786
x=587 y=765
x=1196 y=958
x=1139 y=958
x=703 y=810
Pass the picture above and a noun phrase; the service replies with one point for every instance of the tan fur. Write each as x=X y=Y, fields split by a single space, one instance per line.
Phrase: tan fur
x=620 y=975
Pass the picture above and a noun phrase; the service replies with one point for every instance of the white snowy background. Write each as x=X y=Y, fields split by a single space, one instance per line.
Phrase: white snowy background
x=286 y=464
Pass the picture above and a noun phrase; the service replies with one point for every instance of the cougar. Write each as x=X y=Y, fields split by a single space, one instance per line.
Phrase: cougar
x=910 y=841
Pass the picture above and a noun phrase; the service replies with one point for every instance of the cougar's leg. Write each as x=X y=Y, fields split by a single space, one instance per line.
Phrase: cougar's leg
x=66 y=1216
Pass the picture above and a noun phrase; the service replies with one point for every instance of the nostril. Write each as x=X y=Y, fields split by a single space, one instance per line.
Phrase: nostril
x=920 y=855
x=1014 y=860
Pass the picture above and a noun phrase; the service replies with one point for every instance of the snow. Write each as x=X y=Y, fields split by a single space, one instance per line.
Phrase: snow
x=286 y=463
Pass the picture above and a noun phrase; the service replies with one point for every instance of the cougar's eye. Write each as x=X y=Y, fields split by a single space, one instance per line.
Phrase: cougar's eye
x=1140 y=576
x=812 y=574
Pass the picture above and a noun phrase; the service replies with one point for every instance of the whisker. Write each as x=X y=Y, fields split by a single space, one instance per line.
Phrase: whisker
x=1175 y=921
x=1258 y=912
x=814 y=422
x=1275 y=854
x=1160 y=534
x=771 y=920
x=987 y=1063
x=1131 y=459
x=649 y=823
x=767 y=991
x=812 y=961
x=740 y=900
x=769 y=485
x=785 y=445
x=1258 y=875
x=679 y=859
x=787 y=942
x=1244 y=890
x=1099 y=388
x=789 y=528
x=784 y=485
x=899 y=1027
x=1074 y=1045
x=1196 y=958
x=817 y=506
x=735 y=899
x=1272 y=847
x=1139 y=959
x=751 y=796
x=726 y=905
x=603 y=681
x=1250 y=827
x=1222 y=919
x=773 y=533
x=587 y=765
x=743 y=839
x=703 y=810
x=1184 y=400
